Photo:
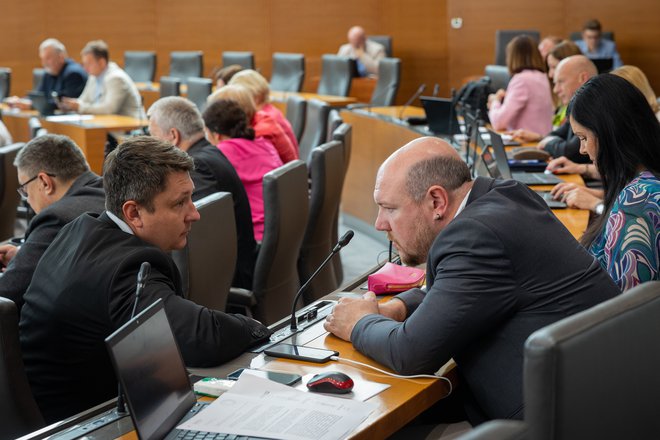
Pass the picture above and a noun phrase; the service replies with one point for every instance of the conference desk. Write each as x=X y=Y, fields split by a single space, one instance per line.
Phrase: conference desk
x=377 y=133
x=396 y=406
x=89 y=132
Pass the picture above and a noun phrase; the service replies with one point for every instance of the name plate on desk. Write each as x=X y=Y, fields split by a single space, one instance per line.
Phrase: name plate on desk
x=69 y=118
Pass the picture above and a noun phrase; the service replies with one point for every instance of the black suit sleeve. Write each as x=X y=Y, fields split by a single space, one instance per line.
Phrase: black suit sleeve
x=565 y=143
x=470 y=296
x=203 y=179
x=73 y=84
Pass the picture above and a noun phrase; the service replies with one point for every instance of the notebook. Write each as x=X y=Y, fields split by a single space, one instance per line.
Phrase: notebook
x=440 y=115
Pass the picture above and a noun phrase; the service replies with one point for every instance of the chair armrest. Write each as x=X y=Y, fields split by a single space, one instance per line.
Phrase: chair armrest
x=241 y=297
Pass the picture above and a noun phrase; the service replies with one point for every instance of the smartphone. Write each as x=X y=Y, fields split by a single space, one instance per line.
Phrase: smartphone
x=285 y=378
x=300 y=353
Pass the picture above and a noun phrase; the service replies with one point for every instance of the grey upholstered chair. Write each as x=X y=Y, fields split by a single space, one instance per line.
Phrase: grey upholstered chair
x=37 y=76
x=327 y=178
x=499 y=77
x=9 y=198
x=186 y=64
x=296 y=110
x=288 y=72
x=140 y=65
x=334 y=121
x=502 y=38
x=243 y=59
x=198 y=90
x=208 y=260
x=170 y=86
x=316 y=123
x=20 y=414
x=385 y=40
x=276 y=280
x=336 y=75
x=498 y=430
x=5 y=82
x=389 y=78
x=343 y=134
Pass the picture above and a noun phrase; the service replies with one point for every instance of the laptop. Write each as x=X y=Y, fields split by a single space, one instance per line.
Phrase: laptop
x=41 y=104
x=603 y=65
x=440 y=115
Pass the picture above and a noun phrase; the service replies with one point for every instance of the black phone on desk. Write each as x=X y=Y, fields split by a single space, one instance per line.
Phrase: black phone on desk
x=300 y=353
x=283 y=378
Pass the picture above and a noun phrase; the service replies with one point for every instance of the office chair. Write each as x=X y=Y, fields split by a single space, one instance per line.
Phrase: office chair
x=385 y=40
x=334 y=121
x=243 y=59
x=208 y=260
x=5 y=82
x=296 y=109
x=503 y=37
x=186 y=64
x=389 y=78
x=276 y=279
x=498 y=430
x=327 y=178
x=20 y=413
x=37 y=76
x=316 y=120
x=140 y=65
x=577 y=36
x=198 y=90
x=336 y=75
x=343 y=134
x=288 y=72
x=170 y=86
x=9 y=198
x=499 y=77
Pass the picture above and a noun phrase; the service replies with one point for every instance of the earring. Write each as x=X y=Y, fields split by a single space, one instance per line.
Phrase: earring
x=438 y=216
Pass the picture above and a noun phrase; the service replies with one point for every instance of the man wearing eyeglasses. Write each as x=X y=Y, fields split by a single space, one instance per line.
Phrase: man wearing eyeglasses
x=54 y=177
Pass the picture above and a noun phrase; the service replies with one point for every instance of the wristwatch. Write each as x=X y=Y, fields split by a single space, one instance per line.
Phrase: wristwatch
x=600 y=208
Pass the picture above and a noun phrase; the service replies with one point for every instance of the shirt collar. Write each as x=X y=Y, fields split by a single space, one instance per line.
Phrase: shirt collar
x=121 y=223
x=463 y=203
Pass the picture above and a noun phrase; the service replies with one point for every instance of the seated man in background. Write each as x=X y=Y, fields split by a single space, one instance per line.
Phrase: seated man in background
x=178 y=121
x=593 y=45
x=54 y=177
x=62 y=75
x=84 y=286
x=490 y=281
x=109 y=90
x=366 y=53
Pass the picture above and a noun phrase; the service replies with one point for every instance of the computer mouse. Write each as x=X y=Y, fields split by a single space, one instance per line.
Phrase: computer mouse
x=332 y=382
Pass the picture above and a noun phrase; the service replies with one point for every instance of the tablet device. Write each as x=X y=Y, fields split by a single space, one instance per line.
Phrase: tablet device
x=300 y=353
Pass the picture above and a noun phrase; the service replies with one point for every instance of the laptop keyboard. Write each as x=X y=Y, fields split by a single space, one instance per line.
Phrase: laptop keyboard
x=536 y=178
x=201 y=435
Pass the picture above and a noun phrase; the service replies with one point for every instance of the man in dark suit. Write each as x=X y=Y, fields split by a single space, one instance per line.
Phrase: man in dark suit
x=177 y=120
x=55 y=178
x=84 y=286
x=499 y=266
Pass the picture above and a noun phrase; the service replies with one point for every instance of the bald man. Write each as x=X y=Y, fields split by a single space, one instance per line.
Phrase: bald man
x=499 y=266
x=365 y=52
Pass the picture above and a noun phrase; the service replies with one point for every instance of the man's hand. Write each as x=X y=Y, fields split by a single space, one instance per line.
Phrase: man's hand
x=348 y=312
x=69 y=104
x=525 y=135
x=562 y=165
x=7 y=252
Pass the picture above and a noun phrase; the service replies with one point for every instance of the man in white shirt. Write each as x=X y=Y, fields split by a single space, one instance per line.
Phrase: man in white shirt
x=366 y=53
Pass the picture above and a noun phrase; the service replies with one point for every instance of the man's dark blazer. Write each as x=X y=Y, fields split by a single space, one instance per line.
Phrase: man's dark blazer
x=84 y=289
x=503 y=268
x=565 y=143
x=85 y=195
x=213 y=172
x=70 y=82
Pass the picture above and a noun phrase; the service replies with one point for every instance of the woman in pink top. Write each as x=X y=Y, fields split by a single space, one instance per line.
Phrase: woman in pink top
x=227 y=127
x=527 y=102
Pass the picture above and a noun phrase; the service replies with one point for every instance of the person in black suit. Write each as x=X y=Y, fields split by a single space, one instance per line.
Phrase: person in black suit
x=500 y=265
x=59 y=186
x=84 y=286
x=177 y=120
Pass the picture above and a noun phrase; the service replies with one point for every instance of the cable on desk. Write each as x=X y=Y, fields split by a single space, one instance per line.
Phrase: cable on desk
x=400 y=376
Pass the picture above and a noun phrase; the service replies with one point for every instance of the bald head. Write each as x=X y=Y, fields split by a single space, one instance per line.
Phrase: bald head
x=357 y=37
x=570 y=74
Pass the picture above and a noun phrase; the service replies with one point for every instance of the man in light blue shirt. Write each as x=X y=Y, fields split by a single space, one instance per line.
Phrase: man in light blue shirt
x=595 y=47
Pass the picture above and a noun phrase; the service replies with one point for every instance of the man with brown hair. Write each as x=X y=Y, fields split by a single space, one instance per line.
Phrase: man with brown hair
x=594 y=46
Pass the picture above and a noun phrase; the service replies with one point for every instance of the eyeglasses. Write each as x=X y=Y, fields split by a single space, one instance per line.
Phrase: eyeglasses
x=21 y=188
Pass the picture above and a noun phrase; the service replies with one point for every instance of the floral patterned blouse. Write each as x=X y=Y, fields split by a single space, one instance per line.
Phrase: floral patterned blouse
x=629 y=248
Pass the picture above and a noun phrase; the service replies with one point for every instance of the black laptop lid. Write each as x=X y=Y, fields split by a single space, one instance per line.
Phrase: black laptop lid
x=149 y=366
x=40 y=103
x=500 y=154
x=440 y=115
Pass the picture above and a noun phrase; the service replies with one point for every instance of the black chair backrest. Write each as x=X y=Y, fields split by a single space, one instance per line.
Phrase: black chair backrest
x=499 y=77
x=288 y=72
x=285 y=218
x=316 y=120
x=502 y=38
x=296 y=110
x=595 y=374
x=37 y=76
x=5 y=82
x=336 y=75
x=9 y=198
x=186 y=64
x=385 y=40
x=327 y=176
x=170 y=86
x=576 y=36
x=198 y=90
x=20 y=414
x=334 y=121
x=243 y=59
x=343 y=134
x=389 y=78
x=208 y=260
x=140 y=65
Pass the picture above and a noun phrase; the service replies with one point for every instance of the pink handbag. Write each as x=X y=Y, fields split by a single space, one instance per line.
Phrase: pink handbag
x=392 y=278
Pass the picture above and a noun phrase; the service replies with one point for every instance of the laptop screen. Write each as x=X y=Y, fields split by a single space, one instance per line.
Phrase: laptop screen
x=440 y=115
x=148 y=363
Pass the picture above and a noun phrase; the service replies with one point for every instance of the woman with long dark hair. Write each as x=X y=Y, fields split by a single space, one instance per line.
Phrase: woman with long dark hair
x=621 y=135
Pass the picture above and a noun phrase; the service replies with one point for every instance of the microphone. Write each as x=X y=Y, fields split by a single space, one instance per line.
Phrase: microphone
x=436 y=89
x=419 y=91
x=343 y=241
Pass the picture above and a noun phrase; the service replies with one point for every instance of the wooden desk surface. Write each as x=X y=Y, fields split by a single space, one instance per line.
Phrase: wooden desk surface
x=333 y=101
